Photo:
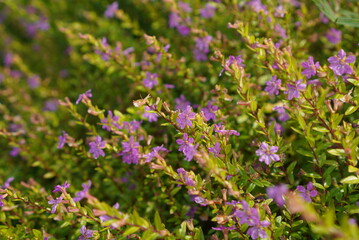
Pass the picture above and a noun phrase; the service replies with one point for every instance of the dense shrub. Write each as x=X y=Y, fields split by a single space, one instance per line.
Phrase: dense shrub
x=143 y=119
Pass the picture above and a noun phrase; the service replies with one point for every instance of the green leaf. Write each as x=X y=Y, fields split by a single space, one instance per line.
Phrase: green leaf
x=348 y=21
x=350 y=180
x=325 y=8
x=337 y=152
x=130 y=230
x=290 y=171
x=350 y=110
x=158 y=223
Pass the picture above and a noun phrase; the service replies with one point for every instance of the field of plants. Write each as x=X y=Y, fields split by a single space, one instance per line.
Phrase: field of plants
x=168 y=119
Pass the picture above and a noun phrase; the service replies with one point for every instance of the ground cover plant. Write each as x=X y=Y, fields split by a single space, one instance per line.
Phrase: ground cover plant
x=166 y=119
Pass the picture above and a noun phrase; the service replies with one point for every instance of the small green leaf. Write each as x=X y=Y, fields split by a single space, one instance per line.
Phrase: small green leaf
x=350 y=180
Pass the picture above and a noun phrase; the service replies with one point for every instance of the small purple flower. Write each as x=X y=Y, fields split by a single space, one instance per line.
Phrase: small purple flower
x=54 y=203
x=277 y=193
x=216 y=149
x=200 y=200
x=130 y=153
x=257 y=6
x=307 y=193
x=185 y=117
x=185 y=177
x=257 y=231
x=96 y=147
x=208 y=11
x=209 y=112
x=187 y=146
x=62 y=140
x=339 y=63
x=310 y=68
x=33 y=81
x=113 y=121
x=7 y=182
x=281 y=31
x=267 y=153
x=61 y=188
x=85 y=95
x=232 y=60
x=84 y=192
x=283 y=116
x=151 y=117
x=155 y=151
x=132 y=126
x=202 y=48
x=8 y=59
x=279 y=11
x=173 y=20
x=334 y=36
x=185 y=7
x=1 y=200
x=111 y=10
x=86 y=234
x=294 y=89
x=183 y=29
x=151 y=80
x=14 y=151
x=223 y=228
x=272 y=86
x=51 y=105
x=219 y=128
x=182 y=103
x=323 y=18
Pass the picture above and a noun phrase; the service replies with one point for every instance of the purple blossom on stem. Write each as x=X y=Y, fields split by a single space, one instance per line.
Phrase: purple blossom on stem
x=200 y=200
x=283 y=116
x=130 y=151
x=216 y=149
x=7 y=182
x=51 y=105
x=219 y=128
x=185 y=7
x=185 y=117
x=307 y=193
x=62 y=140
x=1 y=200
x=202 y=48
x=54 y=203
x=113 y=121
x=281 y=31
x=223 y=228
x=183 y=29
x=86 y=234
x=277 y=193
x=185 y=177
x=310 y=68
x=85 y=95
x=339 y=63
x=257 y=6
x=182 y=103
x=84 y=192
x=279 y=11
x=61 y=188
x=267 y=153
x=111 y=10
x=237 y=62
x=96 y=147
x=209 y=112
x=151 y=117
x=273 y=85
x=154 y=153
x=294 y=89
x=8 y=59
x=104 y=50
x=208 y=11
x=173 y=20
x=334 y=36
x=14 y=151
x=187 y=146
x=132 y=126
x=151 y=80
x=33 y=81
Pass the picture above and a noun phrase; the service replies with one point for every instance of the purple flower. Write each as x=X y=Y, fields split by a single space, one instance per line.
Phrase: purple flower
x=216 y=149
x=8 y=59
x=14 y=151
x=232 y=60
x=223 y=228
x=209 y=112
x=279 y=11
x=272 y=86
x=151 y=117
x=257 y=6
x=84 y=192
x=191 y=212
x=61 y=188
x=111 y=10
x=54 y=203
x=33 y=81
x=1 y=200
x=173 y=20
x=334 y=36
x=62 y=140
x=307 y=193
x=154 y=153
x=184 y=177
x=187 y=146
x=151 y=80
x=283 y=116
x=51 y=105
x=293 y=89
x=185 y=117
x=281 y=31
x=132 y=126
x=219 y=128
x=96 y=147
x=200 y=200
x=202 y=48
x=113 y=121
x=85 y=95
x=267 y=153
x=183 y=29
x=130 y=152
x=86 y=234
x=208 y=11
x=310 y=68
x=7 y=182
x=339 y=63
x=104 y=50
x=277 y=193
x=185 y=7
x=182 y=103
x=257 y=231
